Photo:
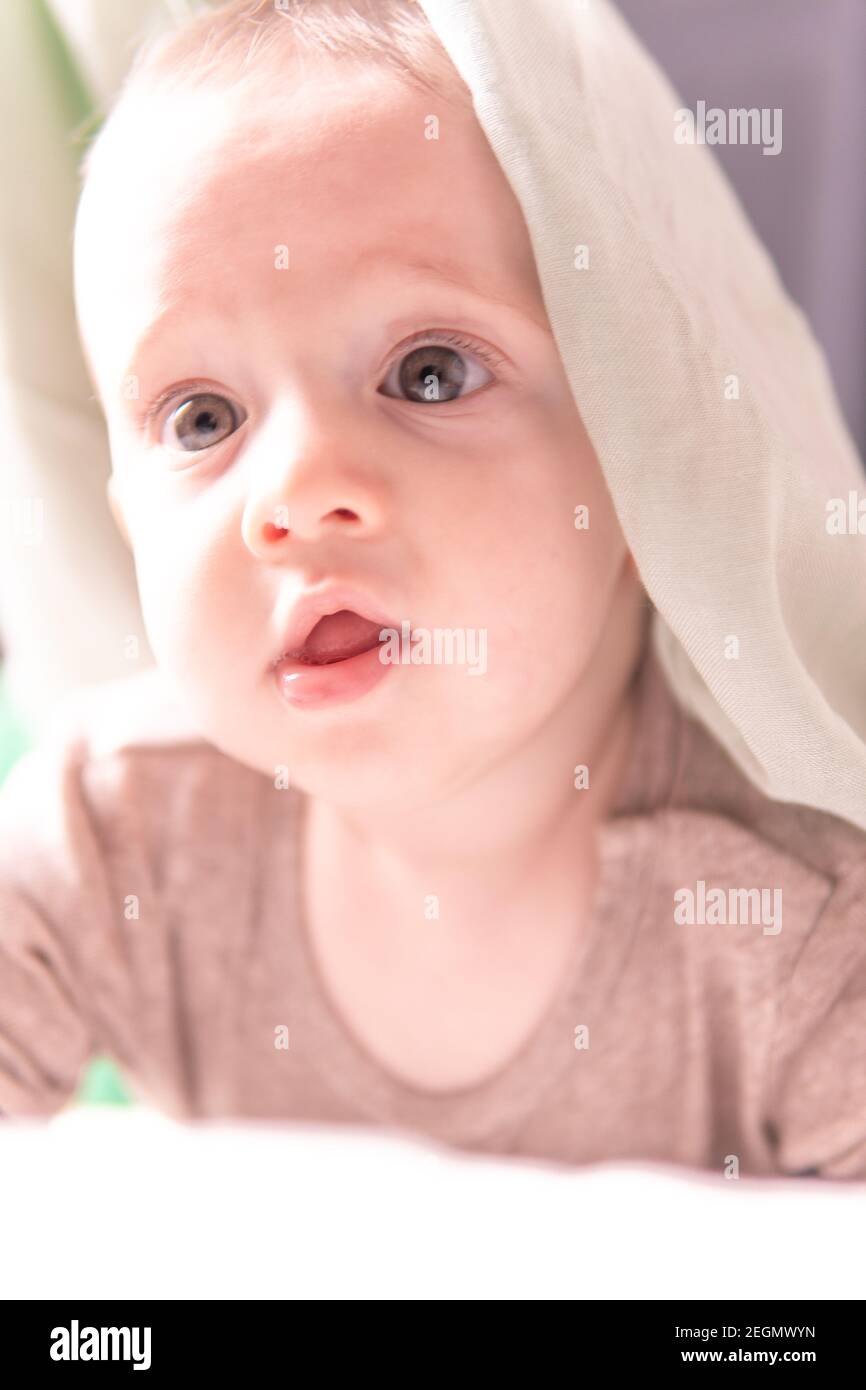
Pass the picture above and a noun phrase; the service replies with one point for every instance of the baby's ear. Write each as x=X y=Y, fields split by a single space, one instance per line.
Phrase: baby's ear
x=116 y=508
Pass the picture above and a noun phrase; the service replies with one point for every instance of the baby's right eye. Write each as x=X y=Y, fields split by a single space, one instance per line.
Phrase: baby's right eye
x=201 y=421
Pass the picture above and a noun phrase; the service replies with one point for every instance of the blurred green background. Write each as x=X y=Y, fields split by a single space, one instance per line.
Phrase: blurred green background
x=101 y=1083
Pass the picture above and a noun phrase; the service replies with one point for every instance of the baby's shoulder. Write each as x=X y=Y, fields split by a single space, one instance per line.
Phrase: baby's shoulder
x=122 y=756
x=120 y=777
x=731 y=855
x=713 y=789
x=112 y=717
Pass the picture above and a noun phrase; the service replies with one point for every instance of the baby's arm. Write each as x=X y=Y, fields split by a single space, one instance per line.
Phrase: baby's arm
x=49 y=877
x=817 y=1097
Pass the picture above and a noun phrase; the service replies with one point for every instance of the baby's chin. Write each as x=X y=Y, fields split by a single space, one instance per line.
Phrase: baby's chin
x=349 y=756
x=354 y=774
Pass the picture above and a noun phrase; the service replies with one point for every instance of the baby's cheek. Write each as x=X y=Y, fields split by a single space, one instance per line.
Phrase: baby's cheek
x=519 y=664
x=557 y=615
x=174 y=617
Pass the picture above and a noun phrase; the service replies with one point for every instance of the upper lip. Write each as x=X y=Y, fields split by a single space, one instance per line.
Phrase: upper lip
x=314 y=604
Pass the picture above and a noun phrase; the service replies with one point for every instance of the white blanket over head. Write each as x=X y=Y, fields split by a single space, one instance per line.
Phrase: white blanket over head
x=702 y=388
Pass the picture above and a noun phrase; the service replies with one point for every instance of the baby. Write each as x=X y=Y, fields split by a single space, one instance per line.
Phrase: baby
x=321 y=865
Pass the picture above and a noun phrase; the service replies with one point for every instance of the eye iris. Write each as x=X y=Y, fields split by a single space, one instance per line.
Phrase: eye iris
x=433 y=373
x=201 y=420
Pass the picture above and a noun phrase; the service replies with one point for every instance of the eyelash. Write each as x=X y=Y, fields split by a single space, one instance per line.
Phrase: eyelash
x=429 y=338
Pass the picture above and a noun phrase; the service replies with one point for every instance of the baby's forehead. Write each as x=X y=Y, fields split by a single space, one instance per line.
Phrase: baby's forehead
x=328 y=141
x=339 y=181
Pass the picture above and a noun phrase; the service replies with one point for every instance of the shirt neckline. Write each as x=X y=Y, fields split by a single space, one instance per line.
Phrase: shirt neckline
x=487 y=1112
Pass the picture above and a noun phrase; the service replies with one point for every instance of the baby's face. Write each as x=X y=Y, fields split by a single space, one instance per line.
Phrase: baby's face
x=287 y=265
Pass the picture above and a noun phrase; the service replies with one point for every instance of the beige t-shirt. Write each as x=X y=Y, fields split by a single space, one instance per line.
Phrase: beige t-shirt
x=150 y=909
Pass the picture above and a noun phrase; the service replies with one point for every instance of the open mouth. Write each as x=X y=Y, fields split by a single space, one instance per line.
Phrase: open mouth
x=340 y=659
x=337 y=637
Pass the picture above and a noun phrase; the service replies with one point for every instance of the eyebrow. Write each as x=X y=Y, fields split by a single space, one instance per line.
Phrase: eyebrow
x=446 y=271
x=155 y=330
x=452 y=273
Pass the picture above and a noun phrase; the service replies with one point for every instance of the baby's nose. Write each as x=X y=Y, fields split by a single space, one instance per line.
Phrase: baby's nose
x=279 y=527
x=312 y=512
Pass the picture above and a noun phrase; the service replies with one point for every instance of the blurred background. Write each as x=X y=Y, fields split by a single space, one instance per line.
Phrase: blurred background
x=70 y=622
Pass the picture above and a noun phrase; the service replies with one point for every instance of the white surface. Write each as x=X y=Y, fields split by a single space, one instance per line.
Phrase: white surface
x=105 y=1203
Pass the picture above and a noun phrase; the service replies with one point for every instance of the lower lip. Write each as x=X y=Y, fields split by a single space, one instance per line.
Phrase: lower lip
x=311 y=687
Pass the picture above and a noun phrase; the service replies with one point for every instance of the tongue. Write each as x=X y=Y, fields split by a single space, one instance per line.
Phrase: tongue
x=338 y=636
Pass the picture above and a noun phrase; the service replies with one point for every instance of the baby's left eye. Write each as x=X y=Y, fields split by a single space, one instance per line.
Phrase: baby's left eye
x=435 y=372
x=201 y=421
